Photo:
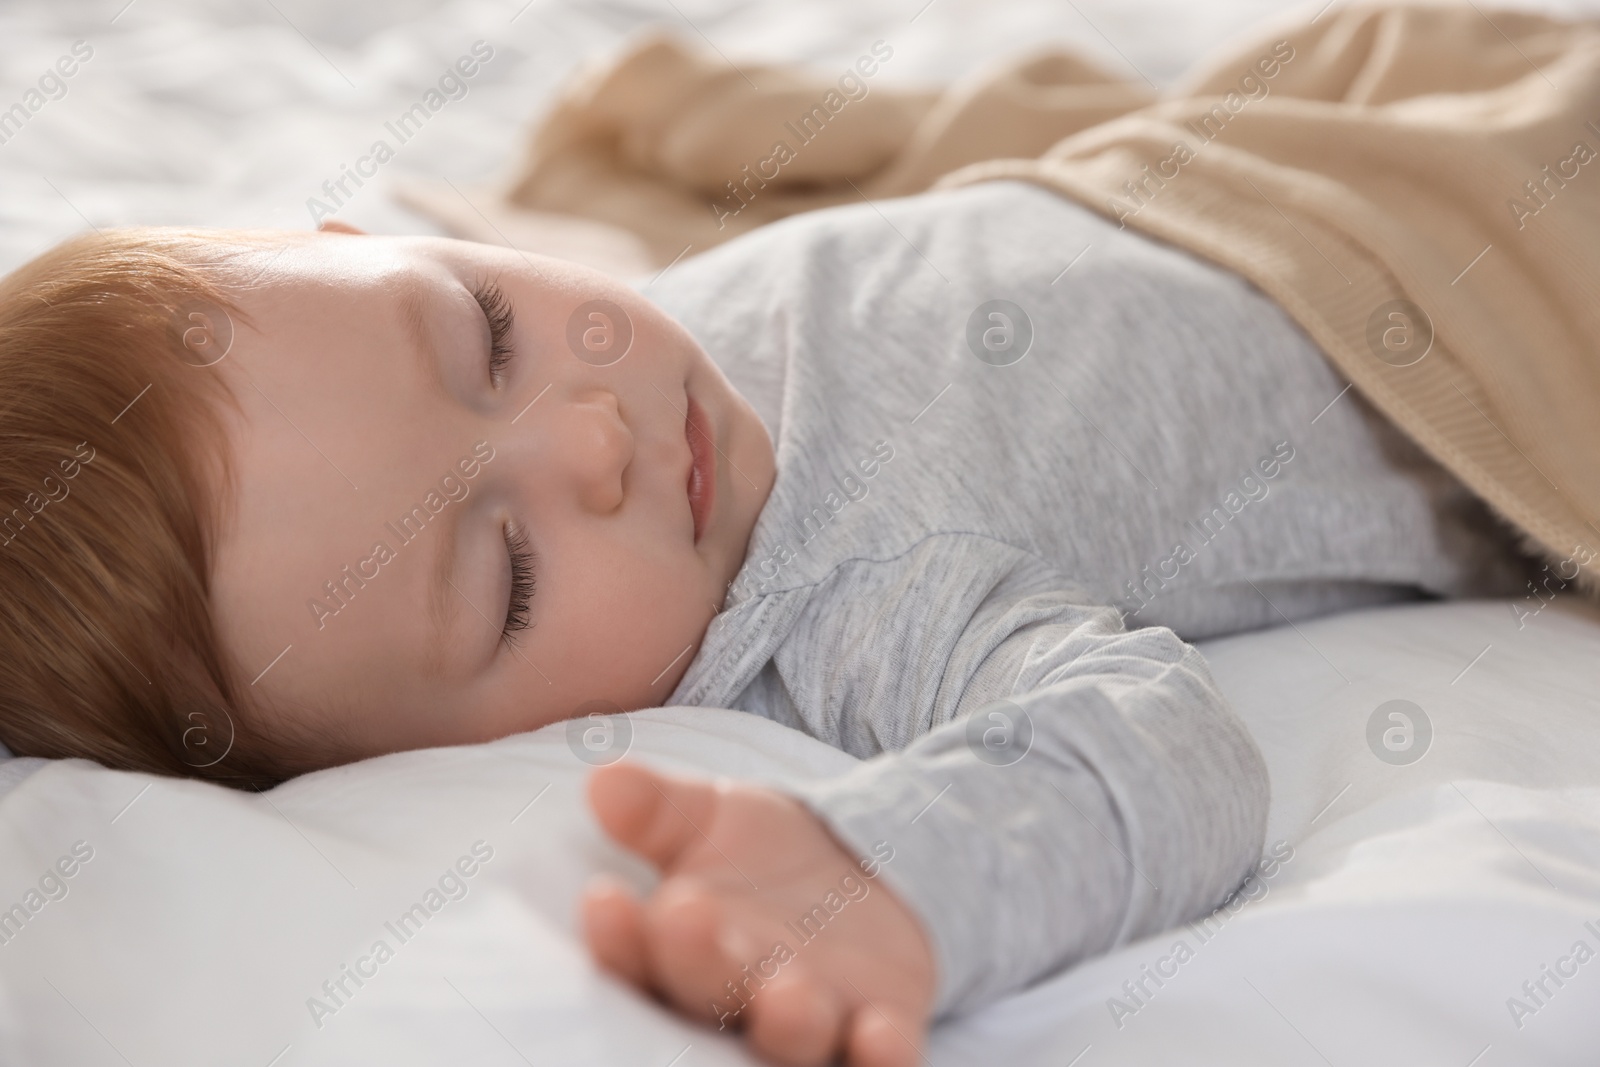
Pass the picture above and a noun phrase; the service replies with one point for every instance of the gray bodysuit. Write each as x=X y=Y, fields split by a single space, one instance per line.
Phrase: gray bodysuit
x=1023 y=456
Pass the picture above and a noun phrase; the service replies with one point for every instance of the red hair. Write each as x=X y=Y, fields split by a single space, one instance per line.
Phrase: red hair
x=112 y=474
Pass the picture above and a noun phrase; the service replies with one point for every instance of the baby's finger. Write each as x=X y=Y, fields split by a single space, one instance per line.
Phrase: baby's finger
x=652 y=814
x=688 y=962
x=613 y=926
x=884 y=1036
x=795 y=1021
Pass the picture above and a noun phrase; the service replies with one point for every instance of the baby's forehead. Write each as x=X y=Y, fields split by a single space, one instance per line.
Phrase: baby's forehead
x=339 y=261
x=384 y=263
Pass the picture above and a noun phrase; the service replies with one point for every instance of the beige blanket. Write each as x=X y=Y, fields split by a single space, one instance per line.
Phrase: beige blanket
x=1418 y=185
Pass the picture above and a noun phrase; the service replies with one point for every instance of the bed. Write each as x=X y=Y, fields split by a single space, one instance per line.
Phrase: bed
x=1404 y=900
x=1430 y=890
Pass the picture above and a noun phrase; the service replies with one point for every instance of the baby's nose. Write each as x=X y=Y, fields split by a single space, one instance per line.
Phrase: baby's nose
x=597 y=446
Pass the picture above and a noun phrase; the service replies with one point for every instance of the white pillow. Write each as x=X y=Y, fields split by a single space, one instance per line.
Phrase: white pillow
x=204 y=921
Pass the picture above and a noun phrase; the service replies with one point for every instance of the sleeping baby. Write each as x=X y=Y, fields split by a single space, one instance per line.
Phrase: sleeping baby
x=948 y=481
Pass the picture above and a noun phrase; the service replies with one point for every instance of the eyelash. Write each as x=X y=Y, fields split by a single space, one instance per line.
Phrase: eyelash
x=523 y=583
x=497 y=312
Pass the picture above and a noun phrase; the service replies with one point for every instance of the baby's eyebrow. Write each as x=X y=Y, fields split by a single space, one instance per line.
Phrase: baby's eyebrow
x=414 y=316
x=442 y=607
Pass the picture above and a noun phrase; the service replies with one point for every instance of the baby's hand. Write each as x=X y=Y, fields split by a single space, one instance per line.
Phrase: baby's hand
x=740 y=867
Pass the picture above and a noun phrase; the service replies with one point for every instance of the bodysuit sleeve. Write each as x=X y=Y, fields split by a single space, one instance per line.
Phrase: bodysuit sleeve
x=1077 y=785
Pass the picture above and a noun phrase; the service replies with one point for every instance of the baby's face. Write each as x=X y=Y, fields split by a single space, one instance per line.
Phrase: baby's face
x=419 y=447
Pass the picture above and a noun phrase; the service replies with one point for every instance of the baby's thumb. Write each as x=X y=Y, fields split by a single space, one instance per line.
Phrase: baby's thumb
x=652 y=814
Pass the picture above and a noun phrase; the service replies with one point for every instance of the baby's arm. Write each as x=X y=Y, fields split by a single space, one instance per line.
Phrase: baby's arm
x=1139 y=803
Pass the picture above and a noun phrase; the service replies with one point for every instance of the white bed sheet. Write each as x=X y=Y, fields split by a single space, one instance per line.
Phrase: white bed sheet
x=1416 y=901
